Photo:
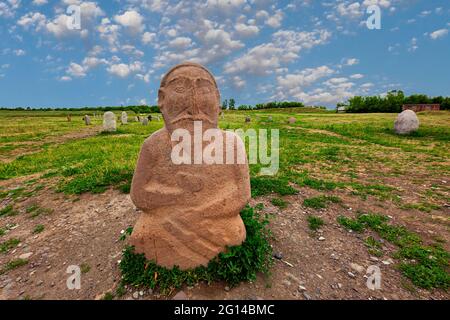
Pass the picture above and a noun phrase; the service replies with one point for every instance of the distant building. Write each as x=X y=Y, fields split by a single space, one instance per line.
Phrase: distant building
x=422 y=107
x=341 y=109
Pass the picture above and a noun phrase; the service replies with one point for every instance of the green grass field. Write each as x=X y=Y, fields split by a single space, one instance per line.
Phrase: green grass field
x=343 y=158
x=324 y=151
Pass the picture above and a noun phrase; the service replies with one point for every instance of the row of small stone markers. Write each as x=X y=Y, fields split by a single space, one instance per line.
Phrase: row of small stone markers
x=291 y=120
x=109 y=120
x=407 y=122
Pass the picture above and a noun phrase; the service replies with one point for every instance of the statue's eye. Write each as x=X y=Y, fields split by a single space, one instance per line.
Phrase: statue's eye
x=180 y=89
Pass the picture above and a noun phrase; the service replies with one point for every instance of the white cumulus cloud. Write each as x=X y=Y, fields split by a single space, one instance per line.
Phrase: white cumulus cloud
x=132 y=20
x=439 y=34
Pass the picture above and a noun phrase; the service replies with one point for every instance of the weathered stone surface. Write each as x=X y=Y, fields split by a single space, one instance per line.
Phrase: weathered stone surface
x=190 y=212
x=109 y=122
x=124 y=118
x=406 y=123
x=356 y=267
x=145 y=121
x=26 y=255
x=180 y=296
x=87 y=120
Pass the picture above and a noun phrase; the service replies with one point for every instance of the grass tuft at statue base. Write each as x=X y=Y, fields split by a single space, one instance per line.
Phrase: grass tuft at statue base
x=238 y=264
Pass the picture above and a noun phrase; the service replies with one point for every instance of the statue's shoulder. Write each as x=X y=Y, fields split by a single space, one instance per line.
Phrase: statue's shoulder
x=157 y=137
x=156 y=144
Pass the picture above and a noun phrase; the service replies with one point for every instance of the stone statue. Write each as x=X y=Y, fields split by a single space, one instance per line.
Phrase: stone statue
x=406 y=123
x=124 y=118
x=190 y=211
x=109 y=122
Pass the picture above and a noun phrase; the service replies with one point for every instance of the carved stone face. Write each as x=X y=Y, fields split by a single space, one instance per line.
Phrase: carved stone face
x=189 y=94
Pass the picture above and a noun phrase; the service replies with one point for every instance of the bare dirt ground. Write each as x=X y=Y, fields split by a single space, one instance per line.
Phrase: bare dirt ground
x=84 y=231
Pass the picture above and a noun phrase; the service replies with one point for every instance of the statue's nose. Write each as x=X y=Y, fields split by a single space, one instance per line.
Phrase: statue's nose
x=194 y=104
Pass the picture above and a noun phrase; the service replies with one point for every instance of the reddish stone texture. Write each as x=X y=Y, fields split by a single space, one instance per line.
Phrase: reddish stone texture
x=190 y=213
x=422 y=107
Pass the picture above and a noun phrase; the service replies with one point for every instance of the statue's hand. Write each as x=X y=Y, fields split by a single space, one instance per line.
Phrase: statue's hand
x=189 y=182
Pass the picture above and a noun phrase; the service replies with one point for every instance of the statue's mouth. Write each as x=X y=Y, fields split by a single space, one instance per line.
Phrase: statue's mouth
x=192 y=118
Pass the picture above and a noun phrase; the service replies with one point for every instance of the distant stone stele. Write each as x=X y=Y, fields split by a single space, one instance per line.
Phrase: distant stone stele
x=109 y=122
x=124 y=118
x=87 y=120
x=406 y=123
x=190 y=211
x=145 y=121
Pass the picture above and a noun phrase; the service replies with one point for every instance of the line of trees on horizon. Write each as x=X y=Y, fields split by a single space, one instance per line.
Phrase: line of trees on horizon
x=226 y=105
x=392 y=102
x=231 y=105
x=136 y=109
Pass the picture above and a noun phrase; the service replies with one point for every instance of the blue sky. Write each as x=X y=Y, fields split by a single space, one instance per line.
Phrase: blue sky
x=317 y=52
